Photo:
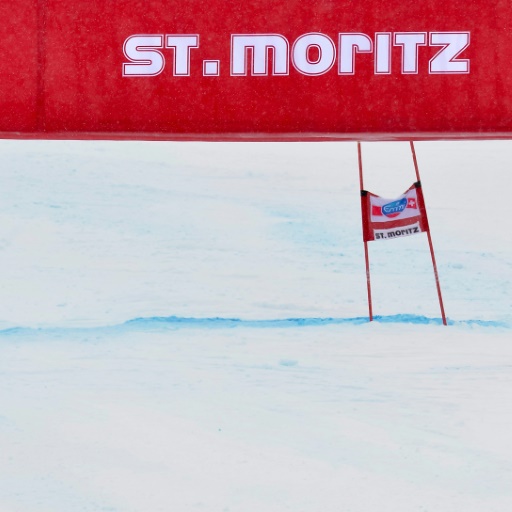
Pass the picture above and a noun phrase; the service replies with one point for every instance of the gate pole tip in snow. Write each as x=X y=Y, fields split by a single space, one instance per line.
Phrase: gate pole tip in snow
x=366 y=256
x=431 y=246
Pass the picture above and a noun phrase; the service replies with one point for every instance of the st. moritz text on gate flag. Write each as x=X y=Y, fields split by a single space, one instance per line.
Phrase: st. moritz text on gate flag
x=385 y=219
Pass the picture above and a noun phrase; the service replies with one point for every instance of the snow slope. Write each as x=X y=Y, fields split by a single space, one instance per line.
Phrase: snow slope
x=183 y=327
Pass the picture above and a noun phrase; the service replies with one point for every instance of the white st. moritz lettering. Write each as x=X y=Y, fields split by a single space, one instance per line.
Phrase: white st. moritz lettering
x=445 y=61
x=301 y=57
x=410 y=42
x=259 y=45
x=383 y=53
x=349 y=45
x=142 y=52
x=182 y=45
x=311 y=54
x=146 y=60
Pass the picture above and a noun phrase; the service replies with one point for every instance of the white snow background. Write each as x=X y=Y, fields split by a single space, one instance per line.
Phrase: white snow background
x=183 y=328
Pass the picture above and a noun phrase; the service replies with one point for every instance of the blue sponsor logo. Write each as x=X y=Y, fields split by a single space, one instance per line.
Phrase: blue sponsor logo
x=394 y=208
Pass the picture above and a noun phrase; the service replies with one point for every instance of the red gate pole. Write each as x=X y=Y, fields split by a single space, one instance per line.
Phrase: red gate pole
x=436 y=275
x=366 y=257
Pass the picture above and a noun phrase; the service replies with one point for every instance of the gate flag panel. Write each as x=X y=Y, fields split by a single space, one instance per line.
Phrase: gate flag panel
x=256 y=70
x=387 y=219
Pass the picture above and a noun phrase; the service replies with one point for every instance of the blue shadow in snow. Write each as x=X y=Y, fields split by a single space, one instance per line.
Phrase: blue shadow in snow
x=176 y=322
x=216 y=322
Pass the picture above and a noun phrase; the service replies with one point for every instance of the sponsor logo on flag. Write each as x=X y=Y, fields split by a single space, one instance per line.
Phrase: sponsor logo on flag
x=403 y=207
x=394 y=208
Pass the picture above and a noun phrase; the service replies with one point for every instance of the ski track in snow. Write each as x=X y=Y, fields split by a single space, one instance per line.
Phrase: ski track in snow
x=183 y=327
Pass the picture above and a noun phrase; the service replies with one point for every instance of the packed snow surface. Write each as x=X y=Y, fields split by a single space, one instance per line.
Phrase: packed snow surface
x=183 y=327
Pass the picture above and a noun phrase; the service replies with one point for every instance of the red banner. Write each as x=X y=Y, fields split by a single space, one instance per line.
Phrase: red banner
x=256 y=70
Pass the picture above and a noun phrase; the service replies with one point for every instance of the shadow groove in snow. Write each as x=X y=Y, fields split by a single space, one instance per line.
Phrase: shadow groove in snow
x=302 y=322
x=176 y=322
